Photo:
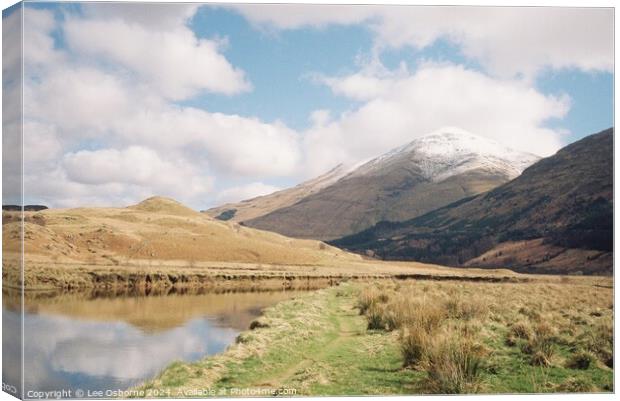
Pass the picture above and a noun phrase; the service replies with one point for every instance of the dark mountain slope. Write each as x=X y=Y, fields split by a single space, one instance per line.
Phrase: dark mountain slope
x=557 y=217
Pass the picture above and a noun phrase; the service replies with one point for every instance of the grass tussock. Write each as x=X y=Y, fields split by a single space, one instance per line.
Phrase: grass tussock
x=428 y=342
x=454 y=365
x=413 y=345
x=576 y=385
x=581 y=360
x=462 y=335
x=541 y=345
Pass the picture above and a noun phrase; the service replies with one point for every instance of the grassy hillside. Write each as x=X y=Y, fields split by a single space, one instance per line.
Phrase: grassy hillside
x=157 y=229
x=356 y=203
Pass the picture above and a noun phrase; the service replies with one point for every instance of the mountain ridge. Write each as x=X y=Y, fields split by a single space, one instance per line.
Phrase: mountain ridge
x=563 y=203
x=428 y=172
x=261 y=205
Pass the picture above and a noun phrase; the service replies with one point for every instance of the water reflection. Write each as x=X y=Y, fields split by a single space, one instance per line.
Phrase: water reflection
x=80 y=341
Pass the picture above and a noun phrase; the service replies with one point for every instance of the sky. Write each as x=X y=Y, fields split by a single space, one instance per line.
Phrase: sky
x=211 y=104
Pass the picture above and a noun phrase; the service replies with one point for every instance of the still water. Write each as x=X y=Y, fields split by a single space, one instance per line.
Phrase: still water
x=101 y=343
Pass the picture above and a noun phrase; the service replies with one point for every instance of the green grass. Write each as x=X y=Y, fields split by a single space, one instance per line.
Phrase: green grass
x=319 y=344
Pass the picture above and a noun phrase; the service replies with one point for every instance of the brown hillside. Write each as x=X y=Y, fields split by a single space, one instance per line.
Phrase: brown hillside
x=156 y=229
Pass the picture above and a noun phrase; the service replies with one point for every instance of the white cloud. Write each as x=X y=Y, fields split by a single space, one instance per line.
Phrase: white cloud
x=90 y=105
x=41 y=145
x=358 y=86
x=38 y=43
x=174 y=62
x=372 y=81
x=135 y=166
x=320 y=117
x=508 y=111
x=232 y=144
x=82 y=100
x=249 y=191
x=11 y=47
x=505 y=40
x=101 y=129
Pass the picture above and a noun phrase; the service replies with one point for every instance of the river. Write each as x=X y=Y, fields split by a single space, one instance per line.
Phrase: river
x=103 y=342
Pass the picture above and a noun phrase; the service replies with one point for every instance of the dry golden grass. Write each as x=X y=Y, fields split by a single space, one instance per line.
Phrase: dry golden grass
x=158 y=229
x=448 y=328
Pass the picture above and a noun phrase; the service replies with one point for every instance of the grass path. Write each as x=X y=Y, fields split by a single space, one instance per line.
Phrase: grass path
x=345 y=324
x=323 y=348
x=333 y=362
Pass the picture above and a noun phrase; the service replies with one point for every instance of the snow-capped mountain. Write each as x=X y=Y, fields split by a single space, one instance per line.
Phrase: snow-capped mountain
x=452 y=151
x=429 y=172
x=554 y=218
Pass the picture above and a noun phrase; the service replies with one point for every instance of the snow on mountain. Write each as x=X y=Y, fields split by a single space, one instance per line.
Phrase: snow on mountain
x=451 y=151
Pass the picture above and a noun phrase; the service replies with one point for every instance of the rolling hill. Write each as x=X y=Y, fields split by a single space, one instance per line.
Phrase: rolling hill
x=557 y=217
x=157 y=229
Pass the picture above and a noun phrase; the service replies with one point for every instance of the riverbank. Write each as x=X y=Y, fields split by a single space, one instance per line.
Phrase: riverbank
x=146 y=275
x=320 y=344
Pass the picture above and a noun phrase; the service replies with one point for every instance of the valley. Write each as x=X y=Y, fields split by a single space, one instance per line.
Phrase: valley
x=382 y=278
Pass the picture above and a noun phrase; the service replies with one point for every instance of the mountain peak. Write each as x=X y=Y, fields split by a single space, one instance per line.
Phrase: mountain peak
x=451 y=151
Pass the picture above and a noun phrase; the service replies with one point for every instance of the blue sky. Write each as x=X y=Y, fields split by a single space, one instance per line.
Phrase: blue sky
x=241 y=101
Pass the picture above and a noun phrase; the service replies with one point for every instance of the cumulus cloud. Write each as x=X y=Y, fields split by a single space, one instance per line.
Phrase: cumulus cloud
x=436 y=95
x=11 y=49
x=42 y=145
x=372 y=81
x=38 y=43
x=102 y=127
x=358 y=86
x=135 y=164
x=505 y=40
x=82 y=100
x=249 y=191
x=175 y=62
x=232 y=144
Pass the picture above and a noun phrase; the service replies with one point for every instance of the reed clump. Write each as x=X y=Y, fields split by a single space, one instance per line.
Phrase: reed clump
x=462 y=334
x=454 y=365
x=427 y=339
